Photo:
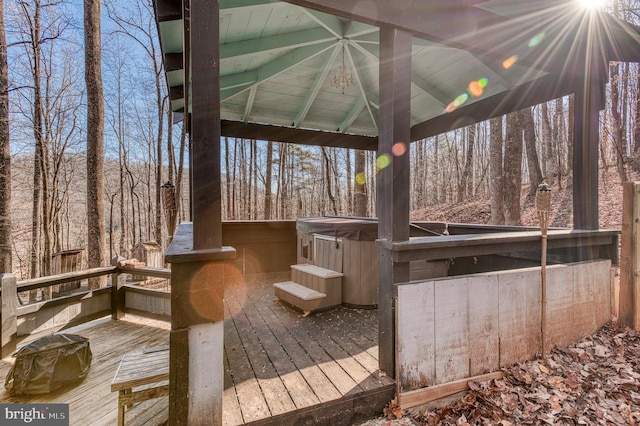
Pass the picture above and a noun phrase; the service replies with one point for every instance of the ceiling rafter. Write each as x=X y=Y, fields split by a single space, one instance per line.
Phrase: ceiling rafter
x=249 y=105
x=237 y=4
x=331 y=23
x=235 y=84
x=276 y=43
x=373 y=51
x=356 y=76
x=351 y=117
x=321 y=77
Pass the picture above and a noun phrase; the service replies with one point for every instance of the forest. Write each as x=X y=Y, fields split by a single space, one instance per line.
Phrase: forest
x=88 y=139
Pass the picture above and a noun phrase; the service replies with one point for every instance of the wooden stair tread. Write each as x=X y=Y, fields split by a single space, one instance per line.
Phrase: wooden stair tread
x=317 y=271
x=299 y=291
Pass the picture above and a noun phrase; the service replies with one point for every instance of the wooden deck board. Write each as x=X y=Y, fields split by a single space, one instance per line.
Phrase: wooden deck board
x=276 y=362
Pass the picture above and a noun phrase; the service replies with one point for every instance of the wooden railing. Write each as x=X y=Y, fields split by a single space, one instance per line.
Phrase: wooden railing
x=20 y=321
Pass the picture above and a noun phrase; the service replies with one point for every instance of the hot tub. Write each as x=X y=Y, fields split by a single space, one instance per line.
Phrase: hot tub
x=347 y=245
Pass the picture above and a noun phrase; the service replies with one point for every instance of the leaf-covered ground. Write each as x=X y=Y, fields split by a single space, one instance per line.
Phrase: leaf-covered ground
x=479 y=210
x=595 y=381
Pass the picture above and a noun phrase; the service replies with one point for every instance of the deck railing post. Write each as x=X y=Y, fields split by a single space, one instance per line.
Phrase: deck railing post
x=9 y=314
x=196 y=373
x=629 y=300
x=118 y=281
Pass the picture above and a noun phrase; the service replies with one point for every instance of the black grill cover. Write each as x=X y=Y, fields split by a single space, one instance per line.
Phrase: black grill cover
x=49 y=363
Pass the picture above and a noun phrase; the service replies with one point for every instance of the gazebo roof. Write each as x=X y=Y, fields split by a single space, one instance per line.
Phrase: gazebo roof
x=471 y=60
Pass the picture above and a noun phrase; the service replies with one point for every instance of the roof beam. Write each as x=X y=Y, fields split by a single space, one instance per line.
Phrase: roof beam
x=236 y=4
x=237 y=83
x=525 y=95
x=351 y=117
x=321 y=77
x=373 y=52
x=298 y=136
x=424 y=19
x=329 y=22
x=249 y=106
x=275 y=43
x=168 y=10
x=363 y=93
x=172 y=62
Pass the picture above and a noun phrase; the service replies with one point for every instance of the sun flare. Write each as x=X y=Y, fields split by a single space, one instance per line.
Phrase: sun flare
x=591 y=4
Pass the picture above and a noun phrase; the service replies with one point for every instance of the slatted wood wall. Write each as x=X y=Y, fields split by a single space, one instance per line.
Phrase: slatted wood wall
x=454 y=328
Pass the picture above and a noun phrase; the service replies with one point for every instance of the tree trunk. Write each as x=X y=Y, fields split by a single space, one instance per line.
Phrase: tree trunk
x=636 y=124
x=558 y=138
x=179 y=173
x=95 y=141
x=6 y=265
x=349 y=182
x=496 y=188
x=360 y=190
x=512 y=169
x=616 y=123
x=570 y=132
x=548 y=163
x=268 y=182
x=463 y=184
x=533 y=164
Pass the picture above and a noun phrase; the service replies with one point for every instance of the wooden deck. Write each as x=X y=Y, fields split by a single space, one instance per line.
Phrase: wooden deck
x=280 y=367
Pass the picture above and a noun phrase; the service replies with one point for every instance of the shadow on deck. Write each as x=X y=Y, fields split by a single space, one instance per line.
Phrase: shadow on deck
x=280 y=367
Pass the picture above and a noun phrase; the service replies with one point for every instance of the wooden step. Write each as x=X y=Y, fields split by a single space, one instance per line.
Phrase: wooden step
x=316 y=271
x=299 y=291
x=301 y=297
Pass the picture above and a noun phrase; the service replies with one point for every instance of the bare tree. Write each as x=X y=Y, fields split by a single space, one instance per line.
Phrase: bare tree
x=360 y=193
x=533 y=164
x=617 y=124
x=95 y=139
x=268 y=183
x=465 y=181
x=548 y=163
x=5 y=155
x=496 y=189
x=512 y=169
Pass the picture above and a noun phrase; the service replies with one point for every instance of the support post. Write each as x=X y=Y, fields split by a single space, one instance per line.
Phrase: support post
x=588 y=103
x=629 y=299
x=392 y=179
x=196 y=339
x=117 y=290
x=9 y=314
x=205 y=124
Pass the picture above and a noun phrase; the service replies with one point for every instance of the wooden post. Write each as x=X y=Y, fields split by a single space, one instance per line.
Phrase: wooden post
x=629 y=310
x=9 y=314
x=392 y=179
x=588 y=103
x=196 y=375
x=117 y=290
x=205 y=122
x=543 y=206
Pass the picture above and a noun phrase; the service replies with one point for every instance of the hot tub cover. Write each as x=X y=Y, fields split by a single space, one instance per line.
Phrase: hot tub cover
x=49 y=363
x=357 y=228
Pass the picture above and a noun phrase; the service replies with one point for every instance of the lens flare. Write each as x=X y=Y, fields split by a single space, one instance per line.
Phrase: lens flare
x=361 y=179
x=457 y=102
x=536 y=40
x=399 y=148
x=383 y=161
x=475 y=89
x=591 y=4
x=508 y=63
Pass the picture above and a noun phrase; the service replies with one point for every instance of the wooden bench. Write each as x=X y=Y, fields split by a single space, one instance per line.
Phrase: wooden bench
x=149 y=368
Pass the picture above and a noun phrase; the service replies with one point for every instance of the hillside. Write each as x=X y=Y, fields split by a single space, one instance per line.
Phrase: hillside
x=479 y=211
